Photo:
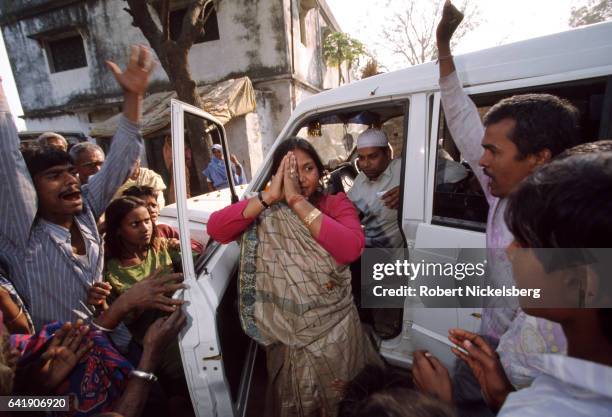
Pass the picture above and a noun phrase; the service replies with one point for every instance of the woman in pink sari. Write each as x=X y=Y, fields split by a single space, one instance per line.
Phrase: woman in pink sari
x=295 y=284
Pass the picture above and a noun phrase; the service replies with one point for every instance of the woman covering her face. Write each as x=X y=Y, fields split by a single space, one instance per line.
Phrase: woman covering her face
x=294 y=282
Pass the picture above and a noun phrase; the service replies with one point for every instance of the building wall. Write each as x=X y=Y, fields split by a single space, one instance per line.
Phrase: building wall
x=263 y=39
x=252 y=41
x=78 y=122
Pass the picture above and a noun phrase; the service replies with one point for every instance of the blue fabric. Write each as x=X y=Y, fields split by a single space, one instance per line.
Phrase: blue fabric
x=215 y=172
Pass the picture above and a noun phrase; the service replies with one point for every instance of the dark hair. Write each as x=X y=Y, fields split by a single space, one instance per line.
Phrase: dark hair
x=567 y=204
x=542 y=121
x=115 y=213
x=301 y=144
x=39 y=159
x=589 y=147
x=140 y=191
x=383 y=392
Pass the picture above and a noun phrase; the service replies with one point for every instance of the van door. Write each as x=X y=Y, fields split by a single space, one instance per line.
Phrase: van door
x=455 y=209
x=217 y=357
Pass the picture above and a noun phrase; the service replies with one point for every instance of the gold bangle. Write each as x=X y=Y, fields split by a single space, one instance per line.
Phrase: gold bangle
x=16 y=317
x=312 y=216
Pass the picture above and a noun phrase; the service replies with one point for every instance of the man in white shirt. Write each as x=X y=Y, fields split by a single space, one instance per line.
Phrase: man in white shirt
x=375 y=192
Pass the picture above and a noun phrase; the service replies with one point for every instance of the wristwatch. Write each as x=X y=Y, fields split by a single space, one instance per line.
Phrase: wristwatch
x=147 y=376
x=262 y=201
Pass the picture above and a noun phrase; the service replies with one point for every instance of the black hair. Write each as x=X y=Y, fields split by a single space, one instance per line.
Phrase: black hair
x=384 y=392
x=296 y=143
x=567 y=204
x=140 y=191
x=39 y=159
x=115 y=213
x=604 y=145
x=542 y=121
x=301 y=144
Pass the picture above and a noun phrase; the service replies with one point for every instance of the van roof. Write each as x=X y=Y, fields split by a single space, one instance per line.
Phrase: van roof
x=577 y=49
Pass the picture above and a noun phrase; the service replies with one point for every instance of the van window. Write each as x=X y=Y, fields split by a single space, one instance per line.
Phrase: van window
x=334 y=136
x=458 y=197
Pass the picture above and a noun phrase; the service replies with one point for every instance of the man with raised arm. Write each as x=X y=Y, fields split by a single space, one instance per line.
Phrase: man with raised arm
x=48 y=235
x=516 y=136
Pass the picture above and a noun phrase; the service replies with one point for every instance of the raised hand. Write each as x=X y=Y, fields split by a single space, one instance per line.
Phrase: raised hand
x=451 y=18
x=160 y=334
x=485 y=364
x=431 y=377
x=291 y=182
x=66 y=349
x=154 y=293
x=135 y=78
x=276 y=191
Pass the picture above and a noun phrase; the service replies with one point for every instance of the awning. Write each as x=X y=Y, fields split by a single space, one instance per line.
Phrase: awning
x=224 y=101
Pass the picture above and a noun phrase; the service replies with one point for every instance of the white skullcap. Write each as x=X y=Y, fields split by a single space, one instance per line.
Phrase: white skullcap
x=372 y=138
x=217 y=147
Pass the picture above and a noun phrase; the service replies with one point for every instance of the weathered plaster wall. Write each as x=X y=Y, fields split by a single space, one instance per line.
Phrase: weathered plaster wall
x=252 y=41
x=75 y=122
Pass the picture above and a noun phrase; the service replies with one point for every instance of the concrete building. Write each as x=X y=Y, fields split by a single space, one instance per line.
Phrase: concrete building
x=57 y=51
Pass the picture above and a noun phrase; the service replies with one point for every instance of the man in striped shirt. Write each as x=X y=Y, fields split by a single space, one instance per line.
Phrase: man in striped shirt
x=48 y=234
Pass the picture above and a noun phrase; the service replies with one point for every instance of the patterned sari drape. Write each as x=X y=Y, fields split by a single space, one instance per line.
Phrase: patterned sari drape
x=296 y=300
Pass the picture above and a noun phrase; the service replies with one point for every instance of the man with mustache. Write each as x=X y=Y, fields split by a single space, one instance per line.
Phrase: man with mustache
x=48 y=235
x=516 y=136
x=375 y=192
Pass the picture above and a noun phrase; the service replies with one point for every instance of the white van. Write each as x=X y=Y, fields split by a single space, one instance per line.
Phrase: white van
x=442 y=207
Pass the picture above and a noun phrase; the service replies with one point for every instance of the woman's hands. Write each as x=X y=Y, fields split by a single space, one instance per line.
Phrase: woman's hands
x=485 y=365
x=291 y=182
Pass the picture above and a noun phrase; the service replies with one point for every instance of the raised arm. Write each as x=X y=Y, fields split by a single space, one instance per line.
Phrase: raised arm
x=18 y=204
x=127 y=142
x=461 y=114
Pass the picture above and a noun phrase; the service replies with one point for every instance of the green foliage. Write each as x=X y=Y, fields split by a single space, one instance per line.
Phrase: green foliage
x=594 y=11
x=338 y=48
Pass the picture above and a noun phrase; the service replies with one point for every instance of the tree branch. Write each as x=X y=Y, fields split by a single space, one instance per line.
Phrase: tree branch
x=164 y=18
x=193 y=23
x=141 y=14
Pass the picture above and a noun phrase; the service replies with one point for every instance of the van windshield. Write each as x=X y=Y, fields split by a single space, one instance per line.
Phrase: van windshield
x=334 y=135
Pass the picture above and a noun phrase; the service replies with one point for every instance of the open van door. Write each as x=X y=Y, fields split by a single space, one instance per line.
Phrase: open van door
x=424 y=327
x=217 y=356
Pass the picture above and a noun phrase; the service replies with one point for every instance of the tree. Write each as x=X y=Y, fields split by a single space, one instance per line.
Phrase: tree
x=594 y=11
x=410 y=33
x=340 y=48
x=152 y=17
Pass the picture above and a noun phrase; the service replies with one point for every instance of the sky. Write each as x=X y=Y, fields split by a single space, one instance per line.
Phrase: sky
x=501 y=22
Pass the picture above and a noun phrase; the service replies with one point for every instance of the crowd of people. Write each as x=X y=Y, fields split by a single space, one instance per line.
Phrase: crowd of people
x=88 y=276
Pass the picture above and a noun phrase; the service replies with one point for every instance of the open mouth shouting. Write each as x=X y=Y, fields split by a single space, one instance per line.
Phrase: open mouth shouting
x=72 y=196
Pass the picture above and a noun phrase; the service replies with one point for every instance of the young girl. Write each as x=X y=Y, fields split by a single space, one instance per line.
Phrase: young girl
x=135 y=253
